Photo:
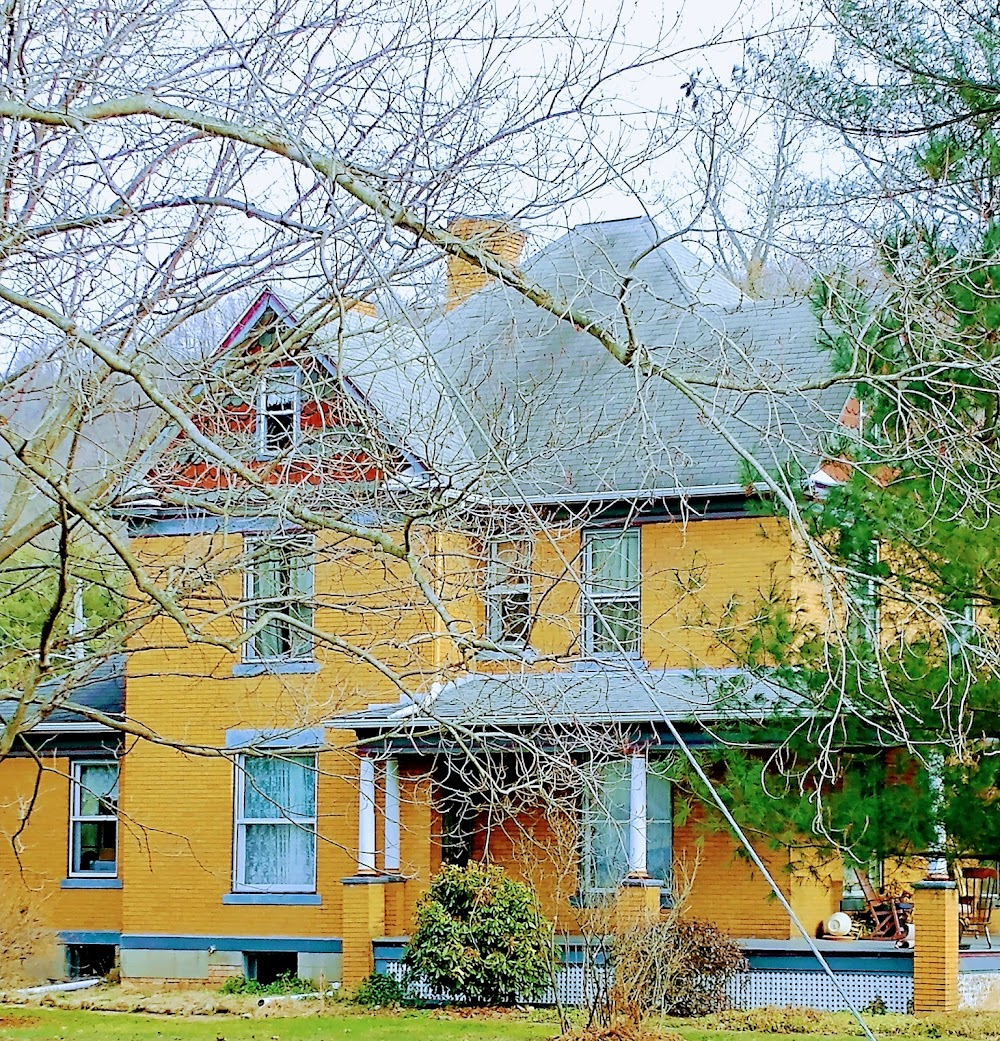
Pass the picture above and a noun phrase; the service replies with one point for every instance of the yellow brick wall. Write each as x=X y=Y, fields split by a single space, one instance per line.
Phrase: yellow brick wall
x=44 y=848
x=701 y=583
x=178 y=856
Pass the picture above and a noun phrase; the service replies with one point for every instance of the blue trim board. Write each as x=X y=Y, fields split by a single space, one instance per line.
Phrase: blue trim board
x=300 y=899
x=303 y=944
x=91 y=883
x=794 y=962
x=89 y=936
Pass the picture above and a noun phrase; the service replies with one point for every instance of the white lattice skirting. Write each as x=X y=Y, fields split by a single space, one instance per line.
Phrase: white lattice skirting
x=750 y=990
x=979 y=990
x=785 y=987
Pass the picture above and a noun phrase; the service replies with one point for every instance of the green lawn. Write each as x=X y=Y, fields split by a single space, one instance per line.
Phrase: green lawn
x=46 y=1024
x=349 y=1023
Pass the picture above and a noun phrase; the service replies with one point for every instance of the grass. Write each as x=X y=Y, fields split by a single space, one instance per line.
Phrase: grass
x=48 y=1024
x=205 y=1016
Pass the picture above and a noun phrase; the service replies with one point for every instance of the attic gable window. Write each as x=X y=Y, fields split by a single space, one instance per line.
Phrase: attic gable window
x=279 y=410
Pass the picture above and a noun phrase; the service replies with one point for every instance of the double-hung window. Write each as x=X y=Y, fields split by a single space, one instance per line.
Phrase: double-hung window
x=508 y=592
x=278 y=591
x=93 y=819
x=275 y=824
x=611 y=615
x=278 y=412
x=605 y=828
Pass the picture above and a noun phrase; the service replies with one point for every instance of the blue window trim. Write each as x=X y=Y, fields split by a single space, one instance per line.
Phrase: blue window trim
x=301 y=899
x=162 y=942
x=95 y=882
x=275 y=668
x=69 y=936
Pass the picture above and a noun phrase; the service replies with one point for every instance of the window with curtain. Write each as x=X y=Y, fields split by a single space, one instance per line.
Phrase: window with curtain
x=611 y=616
x=605 y=833
x=279 y=584
x=94 y=818
x=276 y=824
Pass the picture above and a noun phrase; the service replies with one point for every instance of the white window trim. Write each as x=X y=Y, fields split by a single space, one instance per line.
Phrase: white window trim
x=240 y=822
x=75 y=817
x=495 y=590
x=289 y=375
x=591 y=601
x=250 y=614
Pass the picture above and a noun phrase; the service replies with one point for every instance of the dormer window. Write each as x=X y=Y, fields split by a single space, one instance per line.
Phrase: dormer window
x=278 y=412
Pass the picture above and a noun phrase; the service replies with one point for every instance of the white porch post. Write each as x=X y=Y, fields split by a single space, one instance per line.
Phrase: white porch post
x=637 y=817
x=392 y=854
x=366 y=816
x=937 y=866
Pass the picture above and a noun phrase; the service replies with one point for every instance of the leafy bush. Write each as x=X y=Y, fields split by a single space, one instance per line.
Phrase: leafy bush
x=287 y=983
x=680 y=968
x=380 y=991
x=480 y=936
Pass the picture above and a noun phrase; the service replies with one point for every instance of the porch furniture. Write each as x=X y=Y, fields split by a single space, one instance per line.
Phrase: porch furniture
x=977 y=893
x=889 y=920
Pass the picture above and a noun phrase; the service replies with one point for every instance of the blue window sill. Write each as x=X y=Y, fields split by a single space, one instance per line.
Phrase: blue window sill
x=275 y=668
x=300 y=899
x=96 y=882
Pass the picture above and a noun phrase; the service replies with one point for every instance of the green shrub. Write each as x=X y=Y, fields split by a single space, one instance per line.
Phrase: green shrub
x=481 y=937
x=380 y=991
x=288 y=983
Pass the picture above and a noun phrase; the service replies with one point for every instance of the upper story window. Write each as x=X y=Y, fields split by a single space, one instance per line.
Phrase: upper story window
x=611 y=616
x=279 y=584
x=508 y=592
x=278 y=412
x=93 y=816
x=275 y=824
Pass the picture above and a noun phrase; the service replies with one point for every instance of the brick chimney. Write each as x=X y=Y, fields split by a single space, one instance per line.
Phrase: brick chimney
x=493 y=234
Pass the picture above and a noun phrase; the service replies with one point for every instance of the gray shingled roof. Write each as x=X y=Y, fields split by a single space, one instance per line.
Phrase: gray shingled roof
x=584 y=695
x=101 y=688
x=553 y=416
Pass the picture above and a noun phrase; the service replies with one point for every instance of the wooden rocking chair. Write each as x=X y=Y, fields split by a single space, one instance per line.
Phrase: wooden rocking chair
x=888 y=922
x=978 y=890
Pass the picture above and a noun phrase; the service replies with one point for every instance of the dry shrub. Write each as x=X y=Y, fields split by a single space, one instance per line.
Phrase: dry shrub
x=24 y=937
x=679 y=967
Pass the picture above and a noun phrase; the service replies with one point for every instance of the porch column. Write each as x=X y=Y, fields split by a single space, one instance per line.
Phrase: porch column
x=391 y=855
x=637 y=818
x=366 y=816
x=937 y=866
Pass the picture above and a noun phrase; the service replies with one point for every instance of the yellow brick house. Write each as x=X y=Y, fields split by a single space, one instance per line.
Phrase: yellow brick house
x=455 y=588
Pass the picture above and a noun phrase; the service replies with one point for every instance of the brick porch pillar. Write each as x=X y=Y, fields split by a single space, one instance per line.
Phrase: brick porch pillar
x=935 y=953
x=637 y=902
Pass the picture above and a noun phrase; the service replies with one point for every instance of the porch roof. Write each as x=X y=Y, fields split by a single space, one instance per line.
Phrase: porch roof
x=584 y=695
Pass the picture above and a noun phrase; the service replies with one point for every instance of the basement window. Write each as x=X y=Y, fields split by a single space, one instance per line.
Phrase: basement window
x=87 y=960
x=266 y=966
